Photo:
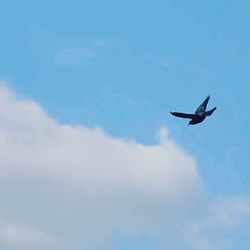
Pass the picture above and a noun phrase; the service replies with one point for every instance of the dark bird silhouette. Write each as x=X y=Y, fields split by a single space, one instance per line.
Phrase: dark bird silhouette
x=199 y=115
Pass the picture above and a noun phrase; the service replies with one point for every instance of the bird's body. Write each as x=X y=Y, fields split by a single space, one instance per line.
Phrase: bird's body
x=199 y=115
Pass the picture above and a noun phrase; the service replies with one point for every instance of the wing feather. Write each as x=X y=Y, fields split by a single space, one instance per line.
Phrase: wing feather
x=183 y=115
x=203 y=106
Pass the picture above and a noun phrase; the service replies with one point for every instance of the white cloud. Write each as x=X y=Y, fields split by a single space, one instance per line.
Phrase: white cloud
x=79 y=186
x=118 y=184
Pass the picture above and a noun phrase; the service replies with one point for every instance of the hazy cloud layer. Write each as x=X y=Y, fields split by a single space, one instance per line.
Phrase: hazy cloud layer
x=73 y=187
x=217 y=229
x=74 y=57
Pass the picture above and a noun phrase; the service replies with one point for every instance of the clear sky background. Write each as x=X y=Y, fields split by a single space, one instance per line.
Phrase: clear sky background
x=122 y=66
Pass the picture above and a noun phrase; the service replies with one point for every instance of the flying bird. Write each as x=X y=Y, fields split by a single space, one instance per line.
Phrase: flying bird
x=199 y=115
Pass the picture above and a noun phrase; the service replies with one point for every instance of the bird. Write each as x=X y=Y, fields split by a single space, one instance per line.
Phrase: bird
x=199 y=115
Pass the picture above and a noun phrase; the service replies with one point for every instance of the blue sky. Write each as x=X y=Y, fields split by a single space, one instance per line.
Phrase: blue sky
x=123 y=66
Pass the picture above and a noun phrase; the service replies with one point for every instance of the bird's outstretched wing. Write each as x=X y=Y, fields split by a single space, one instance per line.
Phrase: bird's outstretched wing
x=210 y=112
x=203 y=106
x=183 y=115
